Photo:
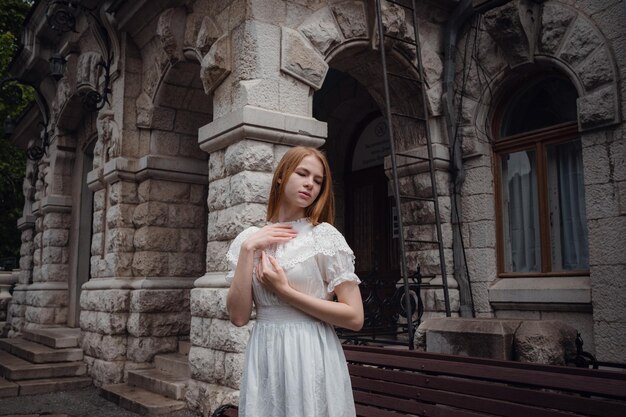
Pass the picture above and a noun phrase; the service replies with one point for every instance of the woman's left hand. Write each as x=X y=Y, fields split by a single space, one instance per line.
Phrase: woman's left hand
x=271 y=275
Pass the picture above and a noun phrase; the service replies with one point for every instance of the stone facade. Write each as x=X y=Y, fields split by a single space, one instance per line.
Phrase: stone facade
x=207 y=95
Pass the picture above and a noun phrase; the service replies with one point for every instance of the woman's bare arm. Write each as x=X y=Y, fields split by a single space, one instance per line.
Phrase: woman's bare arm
x=239 y=298
x=346 y=313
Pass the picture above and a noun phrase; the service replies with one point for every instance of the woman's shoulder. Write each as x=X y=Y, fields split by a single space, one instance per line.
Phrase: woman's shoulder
x=329 y=240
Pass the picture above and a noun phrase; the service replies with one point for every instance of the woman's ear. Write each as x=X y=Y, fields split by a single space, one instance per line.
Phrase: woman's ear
x=279 y=181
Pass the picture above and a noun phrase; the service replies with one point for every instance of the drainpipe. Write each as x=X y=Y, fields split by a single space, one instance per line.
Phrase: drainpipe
x=461 y=14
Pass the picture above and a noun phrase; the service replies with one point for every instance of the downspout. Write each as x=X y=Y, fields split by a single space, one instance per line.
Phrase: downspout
x=461 y=14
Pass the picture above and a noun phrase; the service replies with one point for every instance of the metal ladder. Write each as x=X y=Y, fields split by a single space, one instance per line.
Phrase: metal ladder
x=408 y=159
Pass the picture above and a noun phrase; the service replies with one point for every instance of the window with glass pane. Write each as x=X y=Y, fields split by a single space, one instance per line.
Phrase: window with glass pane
x=542 y=219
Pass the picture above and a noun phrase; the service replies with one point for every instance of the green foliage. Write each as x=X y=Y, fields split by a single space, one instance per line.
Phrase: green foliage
x=12 y=160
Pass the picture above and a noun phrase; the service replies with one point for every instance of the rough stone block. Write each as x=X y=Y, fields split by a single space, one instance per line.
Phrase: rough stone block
x=186 y=264
x=186 y=216
x=119 y=264
x=351 y=17
x=581 y=42
x=143 y=349
x=159 y=301
x=106 y=372
x=555 y=21
x=120 y=215
x=113 y=301
x=549 y=342
x=151 y=238
x=597 y=108
x=56 y=221
x=470 y=337
x=216 y=256
x=105 y=347
x=220 y=195
x=150 y=264
x=250 y=187
x=227 y=224
x=48 y=298
x=198 y=194
x=39 y=315
x=164 y=191
x=209 y=303
x=103 y=322
x=120 y=240
x=158 y=324
x=191 y=240
x=207 y=365
x=55 y=237
x=248 y=155
x=123 y=192
x=151 y=213
x=226 y=337
x=233 y=369
x=606 y=240
x=217 y=167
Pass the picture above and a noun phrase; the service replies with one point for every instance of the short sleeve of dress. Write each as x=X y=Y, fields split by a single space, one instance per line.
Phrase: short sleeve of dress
x=232 y=256
x=334 y=257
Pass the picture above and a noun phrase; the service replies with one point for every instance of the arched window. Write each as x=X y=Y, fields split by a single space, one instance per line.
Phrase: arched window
x=541 y=219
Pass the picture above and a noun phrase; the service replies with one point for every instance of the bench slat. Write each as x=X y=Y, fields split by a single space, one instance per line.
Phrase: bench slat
x=409 y=406
x=452 y=399
x=597 y=407
x=576 y=383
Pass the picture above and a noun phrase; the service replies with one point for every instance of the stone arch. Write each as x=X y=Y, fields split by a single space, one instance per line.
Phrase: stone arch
x=560 y=37
x=344 y=28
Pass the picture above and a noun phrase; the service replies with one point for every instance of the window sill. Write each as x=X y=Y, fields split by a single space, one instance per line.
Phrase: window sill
x=571 y=293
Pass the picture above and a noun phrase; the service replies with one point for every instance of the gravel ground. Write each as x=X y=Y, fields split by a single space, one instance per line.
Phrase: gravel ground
x=79 y=403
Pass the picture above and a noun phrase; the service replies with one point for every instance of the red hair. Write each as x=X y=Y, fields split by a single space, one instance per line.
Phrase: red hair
x=323 y=208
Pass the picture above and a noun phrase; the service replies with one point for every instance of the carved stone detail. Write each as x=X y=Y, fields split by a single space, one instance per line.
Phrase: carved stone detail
x=322 y=31
x=351 y=18
x=216 y=65
x=171 y=32
x=108 y=145
x=88 y=71
x=300 y=60
x=505 y=26
x=208 y=34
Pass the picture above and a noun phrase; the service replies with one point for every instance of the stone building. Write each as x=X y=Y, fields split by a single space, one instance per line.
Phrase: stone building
x=130 y=212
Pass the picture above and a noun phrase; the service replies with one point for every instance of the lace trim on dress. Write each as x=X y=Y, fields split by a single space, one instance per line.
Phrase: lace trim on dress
x=324 y=239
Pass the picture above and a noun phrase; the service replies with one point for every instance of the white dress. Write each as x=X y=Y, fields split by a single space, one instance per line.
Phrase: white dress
x=295 y=366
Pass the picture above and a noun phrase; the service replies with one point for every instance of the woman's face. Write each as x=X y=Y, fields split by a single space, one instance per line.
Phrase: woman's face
x=305 y=183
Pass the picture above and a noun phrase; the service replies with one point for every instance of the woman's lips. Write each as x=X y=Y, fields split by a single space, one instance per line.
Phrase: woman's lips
x=304 y=193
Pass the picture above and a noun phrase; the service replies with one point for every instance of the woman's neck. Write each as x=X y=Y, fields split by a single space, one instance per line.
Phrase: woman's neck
x=287 y=215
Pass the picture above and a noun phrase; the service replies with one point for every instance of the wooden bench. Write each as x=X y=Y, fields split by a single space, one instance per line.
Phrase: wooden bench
x=391 y=383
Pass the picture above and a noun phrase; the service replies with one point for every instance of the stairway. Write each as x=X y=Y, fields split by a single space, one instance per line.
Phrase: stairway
x=154 y=391
x=41 y=361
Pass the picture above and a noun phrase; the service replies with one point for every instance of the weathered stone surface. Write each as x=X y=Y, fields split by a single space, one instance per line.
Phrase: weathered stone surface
x=191 y=240
x=158 y=324
x=205 y=398
x=505 y=27
x=300 y=60
x=103 y=322
x=597 y=108
x=221 y=335
x=209 y=303
x=164 y=191
x=152 y=238
x=119 y=264
x=186 y=216
x=469 y=337
x=47 y=298
x=120 y=215
x=143 y=349
x=597 y=70
x=582 y=41
x=217 y=167
x=150 y=264
x=216 y=64
x=216 y=255
x=322 y=31
x=151 y=213
x=219 y=194
x=105 y=347
x=56 y=221
x=227 y=224
x=120 y=240
x=112 y=301
x=248 y=155
x=123 y=192
x=544 y=341
x=186 y=264
x=351 y=18
x=555 y=21
x=250 y=187
x=55 y=237
x=154 y=301
x=105 y=372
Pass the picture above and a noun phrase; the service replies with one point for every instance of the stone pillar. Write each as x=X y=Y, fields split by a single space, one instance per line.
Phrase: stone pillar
x=17 y=308
x=240 y=173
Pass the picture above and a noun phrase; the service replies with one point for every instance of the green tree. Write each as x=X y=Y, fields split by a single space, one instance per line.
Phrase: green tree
x=12 y=160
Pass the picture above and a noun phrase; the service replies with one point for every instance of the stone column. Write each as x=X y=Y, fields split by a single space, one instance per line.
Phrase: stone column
x=17 y=308
x=244 y=148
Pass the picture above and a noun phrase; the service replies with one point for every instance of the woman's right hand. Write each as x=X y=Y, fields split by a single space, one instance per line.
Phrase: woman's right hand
x=270 y=235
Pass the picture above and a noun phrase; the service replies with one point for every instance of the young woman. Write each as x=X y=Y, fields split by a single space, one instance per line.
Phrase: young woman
x=295 y=366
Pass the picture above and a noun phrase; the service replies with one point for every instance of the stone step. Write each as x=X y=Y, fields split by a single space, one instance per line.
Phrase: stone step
x=155 y=380
x=8 y=388
x=54 y=337
x=37 y=353
x=14 y=368
x=139 y=400
x=173 y=363
x=41 y=386
x=184 y=346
